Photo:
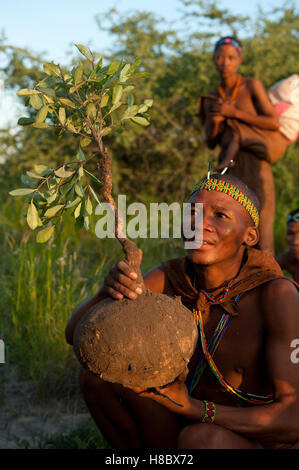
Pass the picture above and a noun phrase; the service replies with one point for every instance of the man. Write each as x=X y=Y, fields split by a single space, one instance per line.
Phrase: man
x=289 y=260
x=239 y=117
x=248 y=316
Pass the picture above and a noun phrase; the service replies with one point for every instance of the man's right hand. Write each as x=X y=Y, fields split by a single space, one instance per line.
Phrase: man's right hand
x=121 y=282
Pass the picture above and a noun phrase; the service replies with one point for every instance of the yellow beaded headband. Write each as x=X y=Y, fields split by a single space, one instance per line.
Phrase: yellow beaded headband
x=213 y=184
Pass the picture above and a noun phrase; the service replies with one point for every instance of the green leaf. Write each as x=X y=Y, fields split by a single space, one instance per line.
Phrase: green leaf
x=116 y=94
x=130 y=112
x=124 y=71
x=36 y=102
x=33 y=175
x=141 y=121
x=78 y=73
x=73 y=203
x=21 y=192
x=130 y=99
x=61 y=116
x=66 y=102
x=79 y=189
x=113 y=67
x=93 y=177
x=40 y=125
x=80 y=172
x=86 y=222
x=42 y=114
x=41 y=169
x=24 y=121
x=51 y=69
x=91 y=111
x=88 y=207
x=85 y=51
x=27 y=92
x=148 y=103
x=113 y=108
x=62 y=173
x=52 y=198
x=81 y=155
x=94 y=194
x=33 y=219
x=47 y=82
x=85 y=141
x=77 y=210
x=105 y=99
x=26 y=180
x=45 y=234
x=105 y=131
x=53 y=210
x=48 y=92
x=71 y=128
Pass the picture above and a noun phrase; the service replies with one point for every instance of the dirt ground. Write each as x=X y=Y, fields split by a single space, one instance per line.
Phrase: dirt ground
x=24 y=417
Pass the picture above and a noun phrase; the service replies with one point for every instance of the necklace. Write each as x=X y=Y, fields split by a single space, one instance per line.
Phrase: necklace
x=222 y=298
x=223 y=94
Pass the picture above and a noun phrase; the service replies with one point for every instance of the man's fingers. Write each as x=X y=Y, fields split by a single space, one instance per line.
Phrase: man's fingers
x=116 y=283
x=125 y=268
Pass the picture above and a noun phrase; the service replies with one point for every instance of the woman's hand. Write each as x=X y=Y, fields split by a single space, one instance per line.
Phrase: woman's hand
x=226 y=109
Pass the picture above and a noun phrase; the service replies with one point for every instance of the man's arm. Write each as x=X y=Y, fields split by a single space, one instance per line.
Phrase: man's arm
x=278 y=421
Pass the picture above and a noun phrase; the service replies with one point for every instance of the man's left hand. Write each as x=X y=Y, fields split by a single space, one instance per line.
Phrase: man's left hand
x=171 y=396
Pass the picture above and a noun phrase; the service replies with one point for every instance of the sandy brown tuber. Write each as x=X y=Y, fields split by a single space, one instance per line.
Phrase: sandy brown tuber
x=143 y=343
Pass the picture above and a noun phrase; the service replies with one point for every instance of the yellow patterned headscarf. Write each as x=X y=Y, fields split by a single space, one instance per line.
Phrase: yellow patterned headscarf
x=213 y=184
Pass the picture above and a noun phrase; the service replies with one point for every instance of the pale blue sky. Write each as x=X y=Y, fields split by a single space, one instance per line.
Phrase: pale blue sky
x=55 y=25
x=52 y=26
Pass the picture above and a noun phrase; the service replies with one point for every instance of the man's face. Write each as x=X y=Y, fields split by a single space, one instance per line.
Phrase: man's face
x=292 y=238
x=225 y=225
x=227 y=60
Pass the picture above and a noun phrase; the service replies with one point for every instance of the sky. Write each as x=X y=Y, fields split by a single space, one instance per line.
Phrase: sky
x=53 y=27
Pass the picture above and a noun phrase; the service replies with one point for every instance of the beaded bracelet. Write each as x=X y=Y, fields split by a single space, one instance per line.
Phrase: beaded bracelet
x=210 y=412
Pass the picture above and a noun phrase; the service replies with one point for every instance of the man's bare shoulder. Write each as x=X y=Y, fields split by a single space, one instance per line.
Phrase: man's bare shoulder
x=280 y=303
x=155 y=279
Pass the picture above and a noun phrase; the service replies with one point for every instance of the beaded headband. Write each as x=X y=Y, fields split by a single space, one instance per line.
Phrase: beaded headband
x=213 y=184
x=228 y=40
x=293 y=217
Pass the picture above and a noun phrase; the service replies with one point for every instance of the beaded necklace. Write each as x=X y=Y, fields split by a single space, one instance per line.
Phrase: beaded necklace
x=222 y=298
x=223 y=94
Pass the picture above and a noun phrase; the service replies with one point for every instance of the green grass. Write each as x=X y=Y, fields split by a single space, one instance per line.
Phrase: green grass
x=85 y=436
x=40 y=285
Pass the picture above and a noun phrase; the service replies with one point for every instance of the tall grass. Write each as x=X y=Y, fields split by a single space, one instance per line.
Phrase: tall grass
x=40 y=285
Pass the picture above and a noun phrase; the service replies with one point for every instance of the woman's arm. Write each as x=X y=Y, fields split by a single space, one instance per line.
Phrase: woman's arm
x=265 y=118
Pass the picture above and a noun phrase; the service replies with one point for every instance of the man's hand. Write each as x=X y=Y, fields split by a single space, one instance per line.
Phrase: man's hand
x=120 y=282
x=226 y=109
x=174 y=396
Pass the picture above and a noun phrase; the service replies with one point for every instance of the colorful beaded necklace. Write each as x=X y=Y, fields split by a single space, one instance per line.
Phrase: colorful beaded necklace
x=222 y=298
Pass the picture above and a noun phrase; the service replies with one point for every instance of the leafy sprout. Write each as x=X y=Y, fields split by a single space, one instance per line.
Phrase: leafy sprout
x=90 y=102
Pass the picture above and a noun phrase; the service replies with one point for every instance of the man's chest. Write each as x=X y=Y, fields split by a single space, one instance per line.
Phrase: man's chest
x=239 y=348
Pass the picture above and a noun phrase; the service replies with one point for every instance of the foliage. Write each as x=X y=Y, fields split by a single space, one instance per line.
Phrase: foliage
x=89 y=102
